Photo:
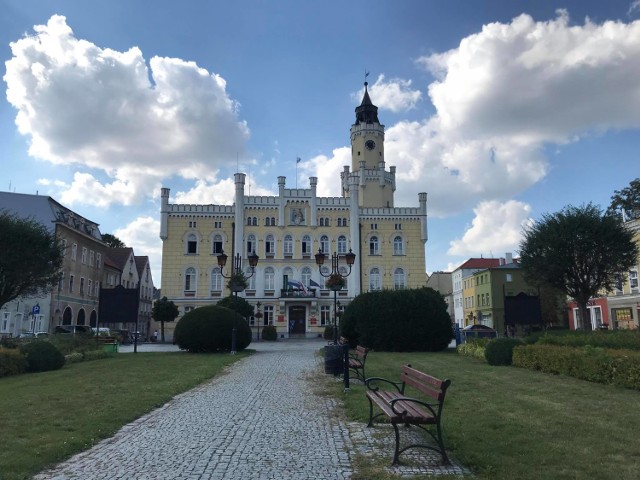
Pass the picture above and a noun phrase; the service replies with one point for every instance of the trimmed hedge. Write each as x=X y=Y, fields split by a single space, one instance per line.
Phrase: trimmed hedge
x=474 y=347
x=209 y=329
x=411 y=320
x=617 y=339
x=608 y=366
x=269 y=333
x=12 y=362
x=499 y=351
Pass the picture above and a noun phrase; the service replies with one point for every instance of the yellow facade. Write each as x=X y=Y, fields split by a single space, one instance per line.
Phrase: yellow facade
x=287 y=230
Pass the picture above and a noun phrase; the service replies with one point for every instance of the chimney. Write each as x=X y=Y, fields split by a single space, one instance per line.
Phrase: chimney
x=508 y=258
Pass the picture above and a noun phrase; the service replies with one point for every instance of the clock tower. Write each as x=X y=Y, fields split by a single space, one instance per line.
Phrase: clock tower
x=376 y=185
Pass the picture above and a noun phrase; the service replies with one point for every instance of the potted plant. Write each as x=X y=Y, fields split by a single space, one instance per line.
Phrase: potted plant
x=335 y=282
x=237 y=282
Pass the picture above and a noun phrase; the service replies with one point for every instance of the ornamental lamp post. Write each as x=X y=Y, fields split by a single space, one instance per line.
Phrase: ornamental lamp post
x=258 y=316
x=238 y=280
x=336 y=280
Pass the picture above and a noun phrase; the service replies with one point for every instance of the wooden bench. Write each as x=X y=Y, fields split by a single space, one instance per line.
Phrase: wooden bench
x=401 y=409
x=357 y=359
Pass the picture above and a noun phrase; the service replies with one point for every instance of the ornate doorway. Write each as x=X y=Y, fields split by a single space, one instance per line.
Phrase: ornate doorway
x=297 y=320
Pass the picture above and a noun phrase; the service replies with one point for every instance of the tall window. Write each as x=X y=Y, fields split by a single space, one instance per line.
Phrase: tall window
x=64 y=247
x=216 y=280
x=74 y=251
x=325 y=315
x=98 y=260
x=305 y=276
x=633 y=278
x=374 y=246
x=287 y=273
x=374 y=279
x=190 y=280
x=269 y=246
x=344 y=272
x=71 y=278
x=81 y=285
x=398 y=245
x=269 y=280
x=288 y=245
x=321 y=221
x=339 y=222
x=217 y=244
x=192 y=244
x=342 y=244
x=251 y=243
x=250 y=280
x=399 y=282
x=324 y=244
x=268 y=315
x=306 y=245
x=84 y=255
x=92 y=258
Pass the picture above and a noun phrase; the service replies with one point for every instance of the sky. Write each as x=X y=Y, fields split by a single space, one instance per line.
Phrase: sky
x=500 y=110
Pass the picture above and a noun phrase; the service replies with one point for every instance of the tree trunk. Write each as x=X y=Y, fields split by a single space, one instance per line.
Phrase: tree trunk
x=161 y=332
x=585 y=316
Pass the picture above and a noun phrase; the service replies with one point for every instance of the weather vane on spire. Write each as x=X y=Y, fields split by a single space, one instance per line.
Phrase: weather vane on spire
x=366 y=74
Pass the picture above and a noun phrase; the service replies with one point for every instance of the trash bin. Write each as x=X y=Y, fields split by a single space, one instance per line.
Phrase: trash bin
x=110 y=347
x=334 y=359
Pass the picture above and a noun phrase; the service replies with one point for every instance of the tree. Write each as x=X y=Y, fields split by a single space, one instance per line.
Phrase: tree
x=579 y=251
x=31 y=259
x=237 y=304
x=627 y=199
x=164 y=310
x=112 y=241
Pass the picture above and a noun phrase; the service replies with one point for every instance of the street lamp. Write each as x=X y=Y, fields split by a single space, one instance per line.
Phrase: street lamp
x=258 y=316
x=236 y=271
x=336 y=281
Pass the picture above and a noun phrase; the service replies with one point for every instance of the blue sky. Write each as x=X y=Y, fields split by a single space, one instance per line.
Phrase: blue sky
x=500 y=110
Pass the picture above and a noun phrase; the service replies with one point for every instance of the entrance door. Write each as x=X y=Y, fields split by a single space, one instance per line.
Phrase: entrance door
x=297 y=320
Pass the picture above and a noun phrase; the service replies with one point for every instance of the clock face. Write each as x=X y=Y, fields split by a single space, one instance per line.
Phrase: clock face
x=370 y=144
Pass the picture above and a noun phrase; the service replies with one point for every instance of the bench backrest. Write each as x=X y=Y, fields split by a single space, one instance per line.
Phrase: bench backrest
x=431 y=386
x=361 y=352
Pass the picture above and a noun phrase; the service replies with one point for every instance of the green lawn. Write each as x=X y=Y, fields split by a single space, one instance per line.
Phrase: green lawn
x=46 y=417
x=512 y=423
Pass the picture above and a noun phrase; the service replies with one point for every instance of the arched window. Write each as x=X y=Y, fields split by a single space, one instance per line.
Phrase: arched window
x=250 y=280
x=374 y=279
x=273 y=221
x=192 y=244
x=339 y=222
x=374 y=246
x=249 y=221
x=399 y=281
x=255 y=221
x=216 y=280
x=251 y=243
x=344 y=222
x=288 y=273
x=324 y=244
x=321 y=221
x=344 y=271
x=306 y=245
x=305 y=276
x=217 y=244
x=398 y=245
x=269 y=279
x=342 y=244
x=288 y=245
x=269 y=246
x=190 y=280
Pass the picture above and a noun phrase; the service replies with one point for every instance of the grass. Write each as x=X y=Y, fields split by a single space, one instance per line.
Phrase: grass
x=47 y=417
x=507 y=422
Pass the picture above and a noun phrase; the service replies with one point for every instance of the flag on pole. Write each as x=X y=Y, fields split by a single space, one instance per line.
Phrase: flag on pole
x=313 y=284
x=298 y=160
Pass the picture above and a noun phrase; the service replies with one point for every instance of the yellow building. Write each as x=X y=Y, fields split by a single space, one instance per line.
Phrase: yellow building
x=286 y=230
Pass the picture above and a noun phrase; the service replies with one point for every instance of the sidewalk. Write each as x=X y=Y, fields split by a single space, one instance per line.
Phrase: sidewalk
x=261 y=420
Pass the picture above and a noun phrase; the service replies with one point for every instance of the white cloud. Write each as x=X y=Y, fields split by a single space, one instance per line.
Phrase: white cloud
x=394 y=94
x=96 y=109
x=497 y=227
x=327 y=170
x=142 y=234
x=634 y=7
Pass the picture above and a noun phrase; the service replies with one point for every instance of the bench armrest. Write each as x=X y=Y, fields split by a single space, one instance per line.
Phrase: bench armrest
x=372 y=383
x=428 y=406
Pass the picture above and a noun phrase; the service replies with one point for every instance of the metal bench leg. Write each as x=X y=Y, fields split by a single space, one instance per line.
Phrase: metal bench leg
x=443 y=452
x=370 y=413
x=396 y=453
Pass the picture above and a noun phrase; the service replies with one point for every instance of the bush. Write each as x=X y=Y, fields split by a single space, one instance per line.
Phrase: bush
x=499 y=351
x=68 y=343
x=474 y=347
x=328 y=332
x=209 y=329
x=42 y=356
x=398 y=320
x=96 y=355
x=73 y=358
x=617 y=339
x=269 y=333
x=608 y=366
x=12 y=362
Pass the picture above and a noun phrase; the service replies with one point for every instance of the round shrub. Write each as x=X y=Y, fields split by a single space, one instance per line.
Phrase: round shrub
x=269 y=333
x=42 y=356
x=209 y=329
x=328 y=332
x=12 y=362
x=412 y=320
x=500 y=350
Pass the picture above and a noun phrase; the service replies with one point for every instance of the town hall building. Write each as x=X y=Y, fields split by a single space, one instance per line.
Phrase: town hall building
x=286 y=232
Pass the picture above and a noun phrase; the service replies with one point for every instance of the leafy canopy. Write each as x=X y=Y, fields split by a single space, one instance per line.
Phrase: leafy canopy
x=164 y=310
x=112 y=241
x=578 y=250
x=627 y=199
x=31 y=259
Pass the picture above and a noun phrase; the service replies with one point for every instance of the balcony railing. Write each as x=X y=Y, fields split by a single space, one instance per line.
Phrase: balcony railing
x=295 y=293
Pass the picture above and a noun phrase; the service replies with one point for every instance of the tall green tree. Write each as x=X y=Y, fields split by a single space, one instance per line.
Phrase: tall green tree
x=627 y=199
x=579 y=251
x=163 y=311
x=30 y=258
x=112 y=241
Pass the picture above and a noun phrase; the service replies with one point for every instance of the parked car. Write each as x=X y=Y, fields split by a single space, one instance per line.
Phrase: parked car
x=73 y=329
x=479 y=331
x=103 y=332
x=33 y=335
